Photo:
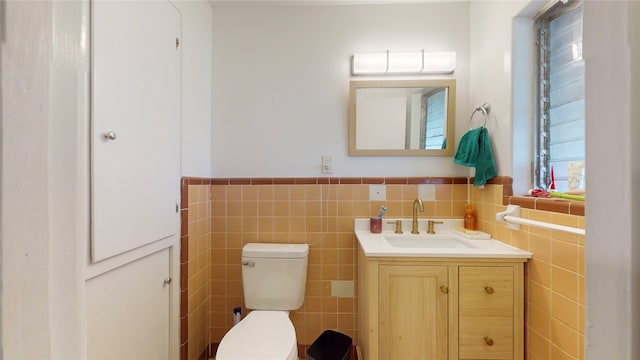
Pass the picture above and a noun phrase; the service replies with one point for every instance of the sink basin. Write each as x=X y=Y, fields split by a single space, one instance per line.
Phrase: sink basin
x=447 y=242
x=425 y=242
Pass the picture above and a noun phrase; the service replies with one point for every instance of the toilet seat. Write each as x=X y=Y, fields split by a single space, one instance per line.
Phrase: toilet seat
x=261 y=335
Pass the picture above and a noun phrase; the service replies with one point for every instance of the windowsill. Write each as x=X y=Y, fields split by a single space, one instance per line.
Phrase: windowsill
x=557 y=205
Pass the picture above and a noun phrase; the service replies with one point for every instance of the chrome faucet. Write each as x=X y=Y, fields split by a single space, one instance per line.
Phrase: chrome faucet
x=414 y=225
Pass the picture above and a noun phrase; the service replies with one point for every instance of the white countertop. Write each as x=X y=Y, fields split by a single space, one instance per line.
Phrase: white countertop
x=375 y=245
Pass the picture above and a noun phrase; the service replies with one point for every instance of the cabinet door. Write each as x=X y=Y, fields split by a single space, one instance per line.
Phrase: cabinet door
x=135 y=97
x=413 y=314
x=128 y=310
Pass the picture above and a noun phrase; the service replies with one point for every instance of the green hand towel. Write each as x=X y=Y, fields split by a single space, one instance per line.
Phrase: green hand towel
x=474 y=150
x=467 y=152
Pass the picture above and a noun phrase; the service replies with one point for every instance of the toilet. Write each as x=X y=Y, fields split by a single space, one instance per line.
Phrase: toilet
x=273 y=279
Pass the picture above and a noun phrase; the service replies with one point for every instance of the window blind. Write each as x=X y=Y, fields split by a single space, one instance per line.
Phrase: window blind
x=435 y=115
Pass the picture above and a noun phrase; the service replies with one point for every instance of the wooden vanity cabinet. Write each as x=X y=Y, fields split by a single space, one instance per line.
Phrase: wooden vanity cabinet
x=440 y=308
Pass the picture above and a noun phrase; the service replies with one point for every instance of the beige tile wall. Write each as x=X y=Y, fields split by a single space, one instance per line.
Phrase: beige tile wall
x=199 y=269
x=319 y=215
x=555 y=277
x=322 y=216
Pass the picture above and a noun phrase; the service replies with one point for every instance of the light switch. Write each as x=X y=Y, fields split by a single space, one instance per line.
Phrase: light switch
x=327 y=164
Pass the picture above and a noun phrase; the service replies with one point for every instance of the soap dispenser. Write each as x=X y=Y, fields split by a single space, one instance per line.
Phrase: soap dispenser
x=470 y=218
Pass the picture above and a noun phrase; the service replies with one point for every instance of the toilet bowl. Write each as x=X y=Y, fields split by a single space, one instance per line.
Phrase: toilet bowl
x=261 y=335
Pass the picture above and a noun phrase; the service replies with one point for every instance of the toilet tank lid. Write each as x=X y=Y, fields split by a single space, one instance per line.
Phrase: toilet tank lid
x=269 y=250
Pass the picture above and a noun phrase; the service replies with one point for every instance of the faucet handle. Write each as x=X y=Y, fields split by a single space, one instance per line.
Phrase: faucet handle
x=398 y=226
x=430 y=224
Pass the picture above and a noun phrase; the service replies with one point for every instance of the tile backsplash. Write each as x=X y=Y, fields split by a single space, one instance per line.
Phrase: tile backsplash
x=195 y=272
x=224 y=214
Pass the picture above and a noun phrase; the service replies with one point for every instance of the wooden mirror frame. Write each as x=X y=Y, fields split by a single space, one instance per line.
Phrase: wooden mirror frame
x=451 y=106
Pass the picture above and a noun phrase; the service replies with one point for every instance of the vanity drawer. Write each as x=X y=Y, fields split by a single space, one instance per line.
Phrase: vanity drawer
x=486 y=291
x=485 y=338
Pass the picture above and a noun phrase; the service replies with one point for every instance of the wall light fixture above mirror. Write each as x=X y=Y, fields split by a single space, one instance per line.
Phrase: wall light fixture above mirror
x=417 y=62
x=402 y=117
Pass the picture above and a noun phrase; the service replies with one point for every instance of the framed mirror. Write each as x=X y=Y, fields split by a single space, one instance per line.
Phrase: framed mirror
x=402 y=117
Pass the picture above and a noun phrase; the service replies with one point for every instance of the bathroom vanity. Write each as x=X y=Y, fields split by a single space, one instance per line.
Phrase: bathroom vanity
x=439 y=296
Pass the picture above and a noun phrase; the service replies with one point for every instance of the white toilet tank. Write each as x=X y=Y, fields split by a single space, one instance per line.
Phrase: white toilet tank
x=274 y=276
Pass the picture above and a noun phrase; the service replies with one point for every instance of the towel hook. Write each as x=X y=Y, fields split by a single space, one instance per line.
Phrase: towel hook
x=485 y=109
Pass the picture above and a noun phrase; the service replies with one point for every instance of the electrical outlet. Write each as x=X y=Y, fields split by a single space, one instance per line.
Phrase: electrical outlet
x=377 y=192
x=326 y=166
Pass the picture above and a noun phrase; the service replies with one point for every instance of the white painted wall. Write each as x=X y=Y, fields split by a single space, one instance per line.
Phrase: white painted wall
x=45 y=172
x=281 y=84
x=196 y=133
x=490 y=71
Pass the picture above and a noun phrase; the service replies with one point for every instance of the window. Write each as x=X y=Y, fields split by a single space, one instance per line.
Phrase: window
x=559 y=115
x=434 y=115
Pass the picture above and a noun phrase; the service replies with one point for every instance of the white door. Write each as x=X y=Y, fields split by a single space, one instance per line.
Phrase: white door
x=128 y=310
x=135 y=99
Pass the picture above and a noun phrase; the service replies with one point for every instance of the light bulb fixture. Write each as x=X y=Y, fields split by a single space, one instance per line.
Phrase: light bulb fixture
x=370 y=63
x=405 y=62
x=418 y=62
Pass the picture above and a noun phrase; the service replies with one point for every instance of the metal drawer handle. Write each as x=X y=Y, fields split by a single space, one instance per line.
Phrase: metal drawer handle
x=248 y=263
x=489 y=290
x=167 y=281
x=444 y=289
x=488 y=341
